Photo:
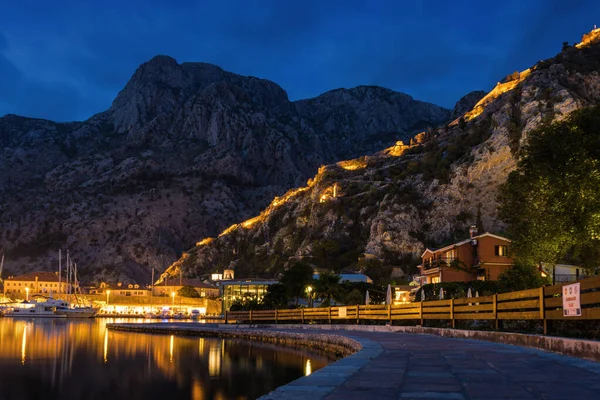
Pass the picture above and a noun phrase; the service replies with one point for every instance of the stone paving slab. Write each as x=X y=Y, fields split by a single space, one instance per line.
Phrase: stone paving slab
x=394 y=365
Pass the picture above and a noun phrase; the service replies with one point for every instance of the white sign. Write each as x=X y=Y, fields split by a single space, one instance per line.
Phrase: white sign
x=571 y=300
x=342 y=312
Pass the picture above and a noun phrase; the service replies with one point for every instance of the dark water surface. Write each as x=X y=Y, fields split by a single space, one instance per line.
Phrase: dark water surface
x=70 y=359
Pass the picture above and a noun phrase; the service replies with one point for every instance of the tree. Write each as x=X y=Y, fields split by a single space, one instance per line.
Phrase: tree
x=521 y=276
x=296 y=279
x=187 y=291
x=551 y=202
x=327 y=288
x=276 y=297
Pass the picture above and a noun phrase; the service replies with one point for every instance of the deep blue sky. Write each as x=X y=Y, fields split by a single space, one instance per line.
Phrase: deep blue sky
x=67 y=59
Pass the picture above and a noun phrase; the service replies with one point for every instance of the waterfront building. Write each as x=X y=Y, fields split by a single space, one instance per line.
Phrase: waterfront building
x=243 y=289
x=34 y=283
x=170 y=286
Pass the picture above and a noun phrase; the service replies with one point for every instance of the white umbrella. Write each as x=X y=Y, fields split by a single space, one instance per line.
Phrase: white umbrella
x=469 y=294
x=422 y=294
x=441 y=293
x=476 y=295
x=388 y=295
x=367 y=299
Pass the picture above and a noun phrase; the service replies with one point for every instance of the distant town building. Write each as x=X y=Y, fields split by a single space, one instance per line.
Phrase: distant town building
x=120 y=289
x=34 y=283
x=481 y=257
x=227 y=274
x=168 y=286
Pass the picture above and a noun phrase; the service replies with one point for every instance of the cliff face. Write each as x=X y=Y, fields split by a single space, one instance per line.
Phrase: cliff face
x=184 y=151
x=396 y=202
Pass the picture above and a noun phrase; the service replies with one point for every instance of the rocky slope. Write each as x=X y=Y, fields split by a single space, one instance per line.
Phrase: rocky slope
x=395 y=203
x=184 y=151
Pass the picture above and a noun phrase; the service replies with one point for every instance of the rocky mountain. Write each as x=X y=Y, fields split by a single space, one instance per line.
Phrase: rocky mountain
x=378 y=212
x=184 y=151
x=466 y=103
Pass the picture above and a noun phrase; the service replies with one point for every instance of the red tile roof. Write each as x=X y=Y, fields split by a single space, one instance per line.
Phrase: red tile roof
x=33 y=276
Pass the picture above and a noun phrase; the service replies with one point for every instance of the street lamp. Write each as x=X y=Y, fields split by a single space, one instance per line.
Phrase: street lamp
x=27 y=293
x=107 y=296
x=173 y=296
x=309 y=290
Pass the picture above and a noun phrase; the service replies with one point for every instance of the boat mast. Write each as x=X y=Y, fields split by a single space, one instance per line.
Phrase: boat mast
x=2 y=265
x=152 y=290
x=76 y=284
x=59 y=268
x=67 y=277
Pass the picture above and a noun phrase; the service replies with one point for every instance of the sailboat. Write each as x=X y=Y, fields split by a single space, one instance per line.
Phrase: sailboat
x=75 y=310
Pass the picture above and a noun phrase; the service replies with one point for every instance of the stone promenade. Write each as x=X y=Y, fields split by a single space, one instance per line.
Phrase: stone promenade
x=395 y=365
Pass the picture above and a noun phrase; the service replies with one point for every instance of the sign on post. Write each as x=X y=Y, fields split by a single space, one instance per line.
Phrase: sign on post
x=571 y=300
x=342 y=312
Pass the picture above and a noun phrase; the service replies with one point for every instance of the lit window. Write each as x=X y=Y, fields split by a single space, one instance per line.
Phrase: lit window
x=435 y=279
x=501 y=251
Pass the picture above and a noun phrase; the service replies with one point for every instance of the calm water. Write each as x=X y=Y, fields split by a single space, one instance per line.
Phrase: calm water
x=59 y=359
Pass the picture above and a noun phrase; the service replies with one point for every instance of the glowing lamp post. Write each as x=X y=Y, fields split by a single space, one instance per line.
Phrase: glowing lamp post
x=107 y=296
x=27 y=293
x=309 y=294
x=173 y=296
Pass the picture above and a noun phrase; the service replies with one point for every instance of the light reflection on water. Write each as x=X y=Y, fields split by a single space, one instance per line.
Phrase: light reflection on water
x=81 y=359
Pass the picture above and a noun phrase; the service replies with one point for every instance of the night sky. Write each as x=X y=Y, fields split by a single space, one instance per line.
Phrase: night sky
x=67 y=59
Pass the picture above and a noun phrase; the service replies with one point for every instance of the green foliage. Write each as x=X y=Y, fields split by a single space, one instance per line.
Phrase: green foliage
x=375 y=269
x=296 y=279
x=246 y=305
x=188 y=291
x=327 y=288
x=521 y=276
x=276 y=297
x=551 y=202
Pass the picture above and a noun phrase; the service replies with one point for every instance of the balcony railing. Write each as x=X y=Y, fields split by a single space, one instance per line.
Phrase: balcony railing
x=437 y=262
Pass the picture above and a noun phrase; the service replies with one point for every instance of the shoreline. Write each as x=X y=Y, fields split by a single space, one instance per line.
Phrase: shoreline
x=394 y=362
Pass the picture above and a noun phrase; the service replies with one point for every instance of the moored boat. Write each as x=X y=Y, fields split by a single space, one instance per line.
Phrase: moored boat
x=46 y=309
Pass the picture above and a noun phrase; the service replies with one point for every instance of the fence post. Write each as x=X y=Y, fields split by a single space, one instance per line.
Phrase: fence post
x=421 y=312
x=495 y=310
x=543 y=311
x=357 y=314
x=452 y=313
x=329 y=311
x=276 y=316
x=250 y=316
x=302 y=315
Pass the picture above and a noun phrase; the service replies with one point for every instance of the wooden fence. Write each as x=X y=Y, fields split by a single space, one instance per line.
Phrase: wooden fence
x=544 y=304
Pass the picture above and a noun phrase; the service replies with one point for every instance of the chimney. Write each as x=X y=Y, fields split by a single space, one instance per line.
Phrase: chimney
x=473 y=231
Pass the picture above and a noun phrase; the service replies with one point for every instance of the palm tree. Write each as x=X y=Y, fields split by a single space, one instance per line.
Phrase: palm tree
x=327 y=287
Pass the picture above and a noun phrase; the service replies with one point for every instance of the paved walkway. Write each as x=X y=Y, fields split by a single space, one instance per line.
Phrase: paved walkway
x=411 y=366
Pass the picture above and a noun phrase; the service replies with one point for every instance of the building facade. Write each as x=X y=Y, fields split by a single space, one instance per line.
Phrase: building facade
x=243 y=289
x=170 y=286
x=34 y=283
x=481 y=257
x=119 y=289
